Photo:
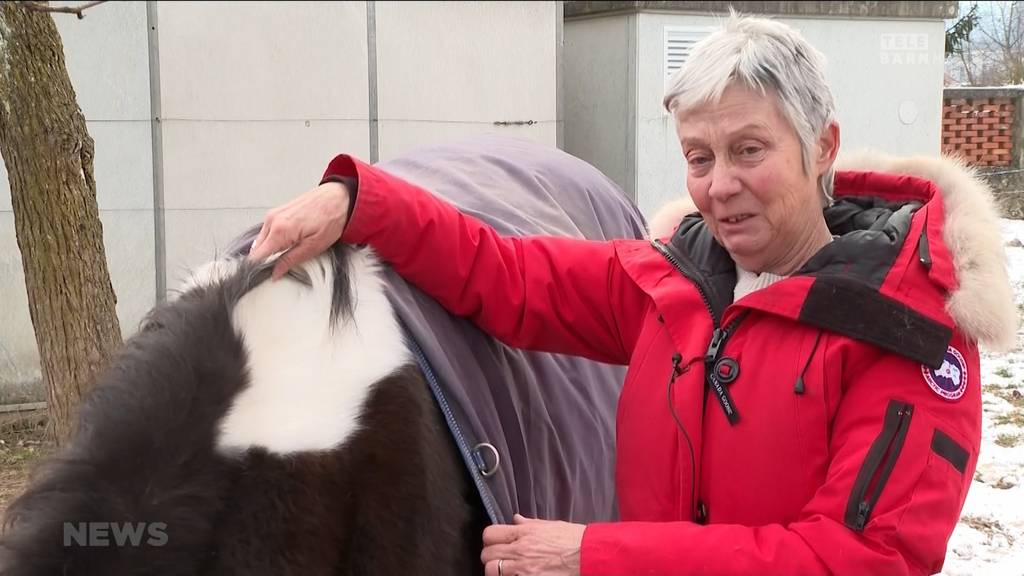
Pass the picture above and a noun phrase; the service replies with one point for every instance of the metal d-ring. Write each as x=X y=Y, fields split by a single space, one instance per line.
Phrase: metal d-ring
x=497 y=459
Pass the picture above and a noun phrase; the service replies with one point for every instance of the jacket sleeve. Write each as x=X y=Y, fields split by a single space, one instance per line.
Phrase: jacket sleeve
x=902 y=460
x=555 y=294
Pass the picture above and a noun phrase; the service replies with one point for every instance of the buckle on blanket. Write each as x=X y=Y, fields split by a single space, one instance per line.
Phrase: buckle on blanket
x=481 y=464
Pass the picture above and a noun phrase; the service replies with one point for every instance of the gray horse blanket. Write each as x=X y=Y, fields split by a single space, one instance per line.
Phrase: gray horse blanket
x=536 y=430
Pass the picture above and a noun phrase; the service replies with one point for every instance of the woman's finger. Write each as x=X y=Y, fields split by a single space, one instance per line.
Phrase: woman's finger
x=500 y=534
x=268 y=222
x=274 y=241
x=289 y=259
x=520 y=519
x=496 y=551
x=508 y=568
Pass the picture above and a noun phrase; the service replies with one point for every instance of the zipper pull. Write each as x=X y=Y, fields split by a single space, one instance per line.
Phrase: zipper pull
x=677 y=360
x=717 y=337
x=862 y=515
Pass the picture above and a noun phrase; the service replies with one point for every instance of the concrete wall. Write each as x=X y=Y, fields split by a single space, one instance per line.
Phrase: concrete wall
x=600 y=85
x=450 y=69
x=886 y=76
x=250 y=118
x=207 y=114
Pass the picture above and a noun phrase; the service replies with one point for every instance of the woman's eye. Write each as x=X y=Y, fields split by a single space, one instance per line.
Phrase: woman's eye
x=752 y=152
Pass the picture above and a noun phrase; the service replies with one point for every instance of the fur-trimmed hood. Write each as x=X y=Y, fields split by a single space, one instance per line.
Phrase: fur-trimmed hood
x=982 y=304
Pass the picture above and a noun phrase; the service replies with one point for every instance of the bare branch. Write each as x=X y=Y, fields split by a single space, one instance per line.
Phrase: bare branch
x=76 y=10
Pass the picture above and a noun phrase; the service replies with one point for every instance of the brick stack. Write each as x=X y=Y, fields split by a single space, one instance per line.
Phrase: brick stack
x=979 y=129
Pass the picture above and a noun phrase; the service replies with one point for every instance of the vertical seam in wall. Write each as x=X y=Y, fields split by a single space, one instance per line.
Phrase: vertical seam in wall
x=631 y=110
x=159 y=230
x=559 y=75
x=371 y=72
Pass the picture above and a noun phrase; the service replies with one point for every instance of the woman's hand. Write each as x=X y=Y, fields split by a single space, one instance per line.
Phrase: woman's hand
x=532 y=547
x=304 y=227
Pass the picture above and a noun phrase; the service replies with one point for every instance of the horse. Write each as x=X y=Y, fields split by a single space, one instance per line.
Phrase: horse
x=285 y=427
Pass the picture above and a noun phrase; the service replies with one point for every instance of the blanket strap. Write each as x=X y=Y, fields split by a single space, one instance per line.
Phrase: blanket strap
x=475 y=463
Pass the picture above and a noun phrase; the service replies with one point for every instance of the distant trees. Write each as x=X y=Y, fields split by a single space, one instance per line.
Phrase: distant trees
x=985 y=46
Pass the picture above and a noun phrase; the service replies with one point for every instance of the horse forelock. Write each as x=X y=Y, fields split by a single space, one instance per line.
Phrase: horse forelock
x=235 y=276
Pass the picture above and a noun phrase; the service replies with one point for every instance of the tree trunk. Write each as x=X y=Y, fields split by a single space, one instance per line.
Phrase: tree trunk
x=49 y=153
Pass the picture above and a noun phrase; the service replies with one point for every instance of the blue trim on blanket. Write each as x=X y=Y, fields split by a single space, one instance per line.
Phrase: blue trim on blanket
x=467 y=453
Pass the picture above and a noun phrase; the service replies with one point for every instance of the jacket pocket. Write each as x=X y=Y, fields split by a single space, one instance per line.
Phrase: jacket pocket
x=878 y=465
x=938 y=498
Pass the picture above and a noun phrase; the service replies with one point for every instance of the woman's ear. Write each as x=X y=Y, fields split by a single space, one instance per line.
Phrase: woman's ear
x=828 y=147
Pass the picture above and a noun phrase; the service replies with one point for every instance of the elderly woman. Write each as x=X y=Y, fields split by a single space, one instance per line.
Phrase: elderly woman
x=803 y=393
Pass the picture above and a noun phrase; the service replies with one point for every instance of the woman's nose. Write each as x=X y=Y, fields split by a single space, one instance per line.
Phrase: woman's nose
x=724 y=182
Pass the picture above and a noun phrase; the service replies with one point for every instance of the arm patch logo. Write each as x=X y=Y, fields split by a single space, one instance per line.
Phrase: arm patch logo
x=950 y=380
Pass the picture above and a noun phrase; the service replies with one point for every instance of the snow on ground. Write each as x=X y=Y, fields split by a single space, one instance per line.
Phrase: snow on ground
x=989 y=540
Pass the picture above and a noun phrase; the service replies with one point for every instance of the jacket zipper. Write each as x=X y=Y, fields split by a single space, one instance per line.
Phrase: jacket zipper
x=667 y=252
x=878 y=465
x=718 y=338
x=714 y=382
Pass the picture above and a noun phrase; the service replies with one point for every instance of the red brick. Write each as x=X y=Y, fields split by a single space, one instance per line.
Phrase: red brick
x=957 y=140
x=991 y=107
x=989 y=158
x=968 y=146
x=948 y=121
x=968 y=133
x=1001 y=139
x=1001 y=152
x=989 y=145
x=979 y=139
x=990 y=133
x=990 y=120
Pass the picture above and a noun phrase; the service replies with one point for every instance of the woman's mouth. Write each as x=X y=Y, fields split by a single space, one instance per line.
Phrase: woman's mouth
x=736 y=219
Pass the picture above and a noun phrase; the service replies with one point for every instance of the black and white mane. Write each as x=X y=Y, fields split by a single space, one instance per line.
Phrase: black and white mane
x=265 y=428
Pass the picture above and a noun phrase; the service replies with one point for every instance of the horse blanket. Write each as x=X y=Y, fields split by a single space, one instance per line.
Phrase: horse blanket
x=536 y=430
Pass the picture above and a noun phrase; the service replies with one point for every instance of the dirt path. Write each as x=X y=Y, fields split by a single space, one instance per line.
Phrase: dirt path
x=22 y=443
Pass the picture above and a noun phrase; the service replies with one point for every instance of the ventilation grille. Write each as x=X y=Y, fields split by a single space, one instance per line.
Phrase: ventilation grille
x=679 y=41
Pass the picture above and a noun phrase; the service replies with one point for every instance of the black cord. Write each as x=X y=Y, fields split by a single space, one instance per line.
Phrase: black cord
x=676 y=359
x=798 y=388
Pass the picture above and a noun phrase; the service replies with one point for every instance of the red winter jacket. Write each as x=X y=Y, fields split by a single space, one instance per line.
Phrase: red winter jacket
x=829 y=423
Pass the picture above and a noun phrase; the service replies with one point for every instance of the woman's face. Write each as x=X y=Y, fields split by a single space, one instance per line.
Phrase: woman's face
x=745 y=174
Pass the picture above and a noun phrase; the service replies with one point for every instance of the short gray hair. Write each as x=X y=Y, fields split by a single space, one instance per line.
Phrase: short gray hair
x=763 y=55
